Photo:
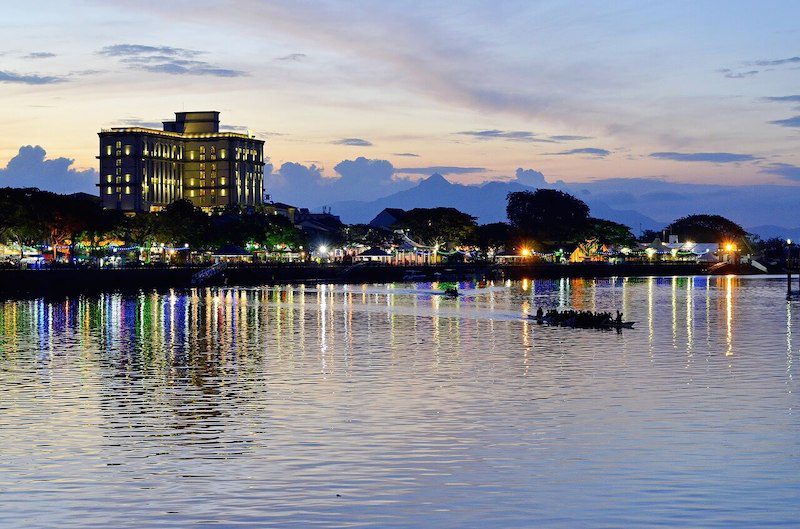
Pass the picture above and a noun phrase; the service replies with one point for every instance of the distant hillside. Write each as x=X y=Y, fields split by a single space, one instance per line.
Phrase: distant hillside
x=487 y=202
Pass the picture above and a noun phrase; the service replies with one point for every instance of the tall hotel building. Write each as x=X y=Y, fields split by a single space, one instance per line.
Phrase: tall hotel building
x=143 y=169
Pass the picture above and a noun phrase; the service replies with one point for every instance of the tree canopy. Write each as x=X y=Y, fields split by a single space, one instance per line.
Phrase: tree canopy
x=707 y=228
x=438 y=226
x=547 y=215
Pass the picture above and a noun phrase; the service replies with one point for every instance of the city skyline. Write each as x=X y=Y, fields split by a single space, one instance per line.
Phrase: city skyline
x=690 y=93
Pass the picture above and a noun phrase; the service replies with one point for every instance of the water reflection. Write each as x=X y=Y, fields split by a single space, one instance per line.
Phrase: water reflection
x=256 y=406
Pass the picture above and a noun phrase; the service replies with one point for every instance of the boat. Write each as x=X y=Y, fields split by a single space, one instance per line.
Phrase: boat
x=575 y=324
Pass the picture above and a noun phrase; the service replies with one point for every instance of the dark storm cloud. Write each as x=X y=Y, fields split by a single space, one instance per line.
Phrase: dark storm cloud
x=591 y=151
x=788 y=122
x=39 y=55
x=30 y=168
x=29 y=79
x=166 y=60
x=789 y=171
x=355 y=142
x=712 y=157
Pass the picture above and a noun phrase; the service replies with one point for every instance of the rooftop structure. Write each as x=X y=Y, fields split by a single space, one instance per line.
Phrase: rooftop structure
x=144 y=169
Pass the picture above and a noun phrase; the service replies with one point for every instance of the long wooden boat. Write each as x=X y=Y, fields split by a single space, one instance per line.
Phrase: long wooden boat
x=573 y=324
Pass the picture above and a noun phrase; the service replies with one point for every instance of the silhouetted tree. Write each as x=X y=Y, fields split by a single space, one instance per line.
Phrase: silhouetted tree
x=442 y=227
x=609 y=232
x=707 y=228
x=491 y=238
x=547 y=215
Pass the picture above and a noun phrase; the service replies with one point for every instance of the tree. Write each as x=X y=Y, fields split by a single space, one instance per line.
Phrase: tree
x=20 y=217
x=707 y=228
x=491 y=238
x=609 y=232
x=440 y=227
x=182 y=223
x=366 y=235
x=547 y=215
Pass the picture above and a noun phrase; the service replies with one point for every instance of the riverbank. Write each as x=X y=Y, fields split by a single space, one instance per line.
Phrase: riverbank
x=14 y=283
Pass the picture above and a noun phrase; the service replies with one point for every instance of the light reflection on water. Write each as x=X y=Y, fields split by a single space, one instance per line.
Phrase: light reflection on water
x=390 y=406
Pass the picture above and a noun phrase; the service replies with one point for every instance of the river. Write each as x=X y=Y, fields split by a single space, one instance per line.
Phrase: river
x=390 y=406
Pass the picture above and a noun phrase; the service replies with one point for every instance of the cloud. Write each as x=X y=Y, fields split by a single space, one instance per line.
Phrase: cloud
x=365 y=171
x=494 y=134
x=407 y=154
x=530 y=177
x=591 y=151
x=30 y=168
x=789 y=171
x=39 y=55
x=167 y=60
x=788 y=122
x=731 y=74
x=356 y=142
x=568 y=137
x=293 y=57
x=441 y=169
x=712 y=157
x=778 y=62
x=135 y=122
x=783 y=99
x=30 y=79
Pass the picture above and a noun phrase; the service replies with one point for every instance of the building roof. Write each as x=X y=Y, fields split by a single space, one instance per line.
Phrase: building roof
x=374 y=252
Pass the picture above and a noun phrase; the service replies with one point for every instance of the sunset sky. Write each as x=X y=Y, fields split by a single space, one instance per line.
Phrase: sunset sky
x=703 y=92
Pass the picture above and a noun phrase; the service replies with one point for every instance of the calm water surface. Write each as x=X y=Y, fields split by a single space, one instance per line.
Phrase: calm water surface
x=385 y=406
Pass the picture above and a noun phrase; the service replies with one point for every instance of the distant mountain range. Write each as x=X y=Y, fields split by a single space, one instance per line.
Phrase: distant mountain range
x=487 y=202
x=608 y=199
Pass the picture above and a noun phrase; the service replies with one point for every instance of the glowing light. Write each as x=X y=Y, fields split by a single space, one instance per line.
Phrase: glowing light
x=729 y=247
x=323 y=249
x=788 y=241
x=525 y=252
x=650 y=252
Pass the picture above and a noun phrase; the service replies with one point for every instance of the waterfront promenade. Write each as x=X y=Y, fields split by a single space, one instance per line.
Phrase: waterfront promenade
x=81 y=280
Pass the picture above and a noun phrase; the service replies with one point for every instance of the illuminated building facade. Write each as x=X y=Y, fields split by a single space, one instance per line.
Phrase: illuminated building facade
x=143 y=169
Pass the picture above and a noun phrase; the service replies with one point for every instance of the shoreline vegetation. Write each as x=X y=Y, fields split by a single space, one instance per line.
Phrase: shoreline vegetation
x=71 y=281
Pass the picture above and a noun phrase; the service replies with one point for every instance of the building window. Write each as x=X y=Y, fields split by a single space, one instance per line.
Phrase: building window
x=224 y=192
x=222 y=154
x=222 y=181
x=127 y=190
x=109 y=190
x=108 y=178
x=108 y=149
x=119 y=144
x=127 y=178
x=202 y=149
x=119 y=163
x=127 y=150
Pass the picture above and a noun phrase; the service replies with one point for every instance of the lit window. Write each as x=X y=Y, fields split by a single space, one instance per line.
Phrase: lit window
x=127 y=150
x=127 y=190
x=191 y=193
x=108 y=149
x=109 y=190
x=222 y=154
x=222 y=181
x=119 y=162
x=127 y=178
x=119 y=144
x=108 y=178
x=224 y=192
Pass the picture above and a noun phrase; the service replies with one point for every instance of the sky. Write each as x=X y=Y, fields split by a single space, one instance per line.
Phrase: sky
x=377 y=95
